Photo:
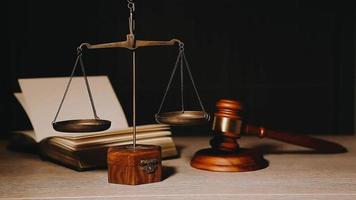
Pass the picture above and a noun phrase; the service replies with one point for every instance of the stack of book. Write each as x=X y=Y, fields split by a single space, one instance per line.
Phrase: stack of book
x=80 y=151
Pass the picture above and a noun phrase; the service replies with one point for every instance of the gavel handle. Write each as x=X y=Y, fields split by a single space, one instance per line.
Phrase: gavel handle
x=319 y=145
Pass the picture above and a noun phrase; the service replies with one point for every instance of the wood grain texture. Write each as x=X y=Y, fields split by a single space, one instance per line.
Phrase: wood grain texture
x=222 y=161
x=293 y=173
x=319 y=145
x=225 y=155
x=127 y=165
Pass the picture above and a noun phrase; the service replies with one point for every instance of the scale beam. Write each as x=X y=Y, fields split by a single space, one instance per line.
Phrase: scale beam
x=131 y=43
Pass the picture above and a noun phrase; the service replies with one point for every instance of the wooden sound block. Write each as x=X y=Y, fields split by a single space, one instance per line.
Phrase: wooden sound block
x=130 y=166
x=227 y=161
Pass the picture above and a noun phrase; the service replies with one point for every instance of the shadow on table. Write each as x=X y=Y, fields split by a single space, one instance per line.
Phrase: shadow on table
x=168 y=171
x=273 y=149
x=179 y=152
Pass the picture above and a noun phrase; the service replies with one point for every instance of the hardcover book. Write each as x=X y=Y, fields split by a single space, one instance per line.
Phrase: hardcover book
x=80 y=151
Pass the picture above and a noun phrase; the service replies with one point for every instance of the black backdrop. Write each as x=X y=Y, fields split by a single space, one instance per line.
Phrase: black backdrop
x=290 y=62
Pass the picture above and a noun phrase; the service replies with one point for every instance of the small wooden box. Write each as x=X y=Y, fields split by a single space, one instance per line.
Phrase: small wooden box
x=130 y=166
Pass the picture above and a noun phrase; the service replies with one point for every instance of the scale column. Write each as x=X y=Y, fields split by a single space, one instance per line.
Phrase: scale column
x=134 y=97
x=131 y=7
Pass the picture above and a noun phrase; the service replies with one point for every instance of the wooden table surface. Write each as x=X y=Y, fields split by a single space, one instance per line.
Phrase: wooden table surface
x=293 y=173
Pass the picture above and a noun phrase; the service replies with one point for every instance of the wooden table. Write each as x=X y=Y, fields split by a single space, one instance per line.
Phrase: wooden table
x=293 y=173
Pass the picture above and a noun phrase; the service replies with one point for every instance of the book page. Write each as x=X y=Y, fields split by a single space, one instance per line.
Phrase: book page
x=42 y=97
x=74 y=144
x=21 y=99
x=139 y=129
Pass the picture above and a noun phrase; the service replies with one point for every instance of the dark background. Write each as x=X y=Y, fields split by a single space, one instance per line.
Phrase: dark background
x=290 y=62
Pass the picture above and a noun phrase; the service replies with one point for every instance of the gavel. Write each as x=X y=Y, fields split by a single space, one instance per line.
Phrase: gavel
x=225 y=153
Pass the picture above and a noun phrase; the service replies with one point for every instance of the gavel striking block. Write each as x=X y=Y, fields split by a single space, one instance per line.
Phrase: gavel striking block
x=225 y=155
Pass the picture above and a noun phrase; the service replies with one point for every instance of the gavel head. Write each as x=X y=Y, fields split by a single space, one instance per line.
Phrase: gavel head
x=227 y=125
x=228 y=117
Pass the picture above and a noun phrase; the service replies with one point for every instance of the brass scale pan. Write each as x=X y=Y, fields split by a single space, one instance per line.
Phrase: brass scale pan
x=82 y=125
x=183 y=118
x=176 y=118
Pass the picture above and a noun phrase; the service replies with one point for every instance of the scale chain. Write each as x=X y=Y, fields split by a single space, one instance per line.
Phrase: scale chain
x=131 y=6
x=67 y=88
x=182 y=80
x=88 y=87
x=170 y=82
x=183 y=60
x=78 y=59
x=191 y=78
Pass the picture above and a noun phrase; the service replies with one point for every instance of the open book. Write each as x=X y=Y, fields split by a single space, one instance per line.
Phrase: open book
x=40 y=99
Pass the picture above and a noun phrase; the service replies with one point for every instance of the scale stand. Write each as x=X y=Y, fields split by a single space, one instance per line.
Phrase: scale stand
x=134 y=164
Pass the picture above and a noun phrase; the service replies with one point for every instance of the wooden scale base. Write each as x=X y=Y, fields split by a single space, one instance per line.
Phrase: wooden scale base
x=225 y=155
x=134 y=165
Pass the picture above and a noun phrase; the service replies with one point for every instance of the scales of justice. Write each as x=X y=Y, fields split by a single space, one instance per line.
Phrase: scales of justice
x=181 y=118
x=134 y=164
x=139 y=164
